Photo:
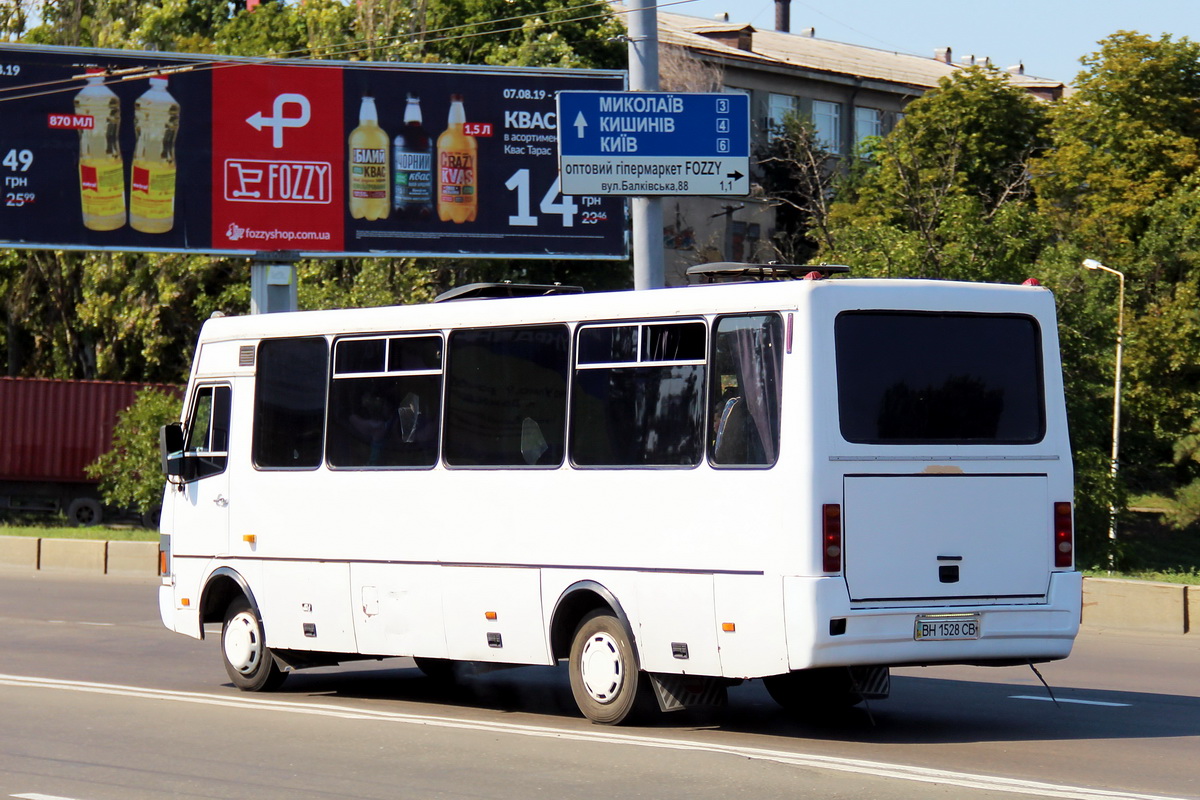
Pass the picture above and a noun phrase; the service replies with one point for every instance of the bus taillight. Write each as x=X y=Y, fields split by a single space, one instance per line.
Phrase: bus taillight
x=1064 y=538
x=831 y=537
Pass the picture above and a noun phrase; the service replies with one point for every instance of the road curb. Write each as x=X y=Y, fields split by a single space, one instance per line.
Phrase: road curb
x=1108 y=603
x=1121 y=604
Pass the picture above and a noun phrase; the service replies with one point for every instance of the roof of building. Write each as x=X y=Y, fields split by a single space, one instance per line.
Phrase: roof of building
x=775 y=48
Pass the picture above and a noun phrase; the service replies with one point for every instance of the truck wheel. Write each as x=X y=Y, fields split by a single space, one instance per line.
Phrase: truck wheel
x=605 y=681
x=84 y=512
x=823 y=690
x=248 y=660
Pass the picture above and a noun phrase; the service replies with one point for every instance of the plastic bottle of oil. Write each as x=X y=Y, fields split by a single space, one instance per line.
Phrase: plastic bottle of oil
x=412 y=159
x=152 y=187
x=458 y=165
x=101 y=169
x=370 y=170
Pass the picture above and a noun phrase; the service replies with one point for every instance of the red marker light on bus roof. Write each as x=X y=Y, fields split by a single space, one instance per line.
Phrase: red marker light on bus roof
x=1031 y=282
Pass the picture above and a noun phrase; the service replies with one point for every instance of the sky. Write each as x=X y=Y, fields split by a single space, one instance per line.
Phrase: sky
x=1048 y=36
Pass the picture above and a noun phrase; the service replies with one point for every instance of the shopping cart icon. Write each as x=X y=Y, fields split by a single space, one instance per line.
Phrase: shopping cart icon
x=244 y=178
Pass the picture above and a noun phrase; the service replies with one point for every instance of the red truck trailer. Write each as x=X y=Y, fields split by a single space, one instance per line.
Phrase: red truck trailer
x=49 y=431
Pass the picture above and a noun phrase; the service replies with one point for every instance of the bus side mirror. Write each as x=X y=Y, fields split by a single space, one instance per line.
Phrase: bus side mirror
x=170 y=449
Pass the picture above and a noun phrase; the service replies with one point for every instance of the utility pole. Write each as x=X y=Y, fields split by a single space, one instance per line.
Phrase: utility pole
x=647 y=213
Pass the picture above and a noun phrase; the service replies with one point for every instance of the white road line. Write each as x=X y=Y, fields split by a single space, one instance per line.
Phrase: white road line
x=1067 y=700
x=36 y=796
x=605 y=736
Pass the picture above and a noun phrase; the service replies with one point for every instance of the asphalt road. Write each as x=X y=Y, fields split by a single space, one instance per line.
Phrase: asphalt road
x=98 y=701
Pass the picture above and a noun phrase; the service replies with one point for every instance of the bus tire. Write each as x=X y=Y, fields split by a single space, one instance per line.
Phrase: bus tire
x=823 y=690
x=605 y=680
x=248 y=660
x=84 y=512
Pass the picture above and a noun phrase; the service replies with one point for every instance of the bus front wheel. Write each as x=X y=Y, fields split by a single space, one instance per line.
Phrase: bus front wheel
x=248 y=660
x=605 y=681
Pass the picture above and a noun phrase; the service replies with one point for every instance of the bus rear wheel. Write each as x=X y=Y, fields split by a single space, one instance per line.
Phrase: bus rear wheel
x=823 y=690
x=248 y=661
x=605 y=680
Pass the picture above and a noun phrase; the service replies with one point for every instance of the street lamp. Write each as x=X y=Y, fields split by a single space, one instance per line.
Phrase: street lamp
x=1093 y=264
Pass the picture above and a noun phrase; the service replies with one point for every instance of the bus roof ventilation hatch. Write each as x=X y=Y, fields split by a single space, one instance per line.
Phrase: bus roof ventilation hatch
x=732 y=271
x=487 y=291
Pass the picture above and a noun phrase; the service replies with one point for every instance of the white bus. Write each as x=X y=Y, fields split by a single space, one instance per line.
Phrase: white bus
x=806 y=481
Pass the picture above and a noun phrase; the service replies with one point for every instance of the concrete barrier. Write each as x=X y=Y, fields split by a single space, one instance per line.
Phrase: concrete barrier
x=1112 y=603
x=1135 y=605
x=74 y=554
x=19 y=551
x=140 y=557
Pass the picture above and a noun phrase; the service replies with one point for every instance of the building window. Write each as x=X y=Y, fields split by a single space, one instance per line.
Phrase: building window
x=867 y=122
x=779 y=106
x=827 y=119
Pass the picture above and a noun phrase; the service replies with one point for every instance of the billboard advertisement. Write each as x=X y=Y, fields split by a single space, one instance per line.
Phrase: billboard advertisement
x=129 y=151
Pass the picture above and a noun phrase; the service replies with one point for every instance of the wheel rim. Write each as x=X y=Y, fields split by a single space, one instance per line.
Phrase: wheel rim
x=602 y=668
x=243 y=646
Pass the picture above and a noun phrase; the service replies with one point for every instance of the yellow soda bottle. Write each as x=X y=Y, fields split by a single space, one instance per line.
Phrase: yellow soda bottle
x=370 y=166
x=152 y=189
x=458 y=165
x=101 y=169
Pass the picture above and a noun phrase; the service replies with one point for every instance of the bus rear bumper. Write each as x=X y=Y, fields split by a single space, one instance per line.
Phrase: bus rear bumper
x=825 y=629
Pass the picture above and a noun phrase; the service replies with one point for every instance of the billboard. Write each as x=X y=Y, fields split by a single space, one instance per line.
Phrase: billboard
x=160 y=152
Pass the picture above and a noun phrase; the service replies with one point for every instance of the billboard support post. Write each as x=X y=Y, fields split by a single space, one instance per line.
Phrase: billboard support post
x=273 y=282
x=646 y=212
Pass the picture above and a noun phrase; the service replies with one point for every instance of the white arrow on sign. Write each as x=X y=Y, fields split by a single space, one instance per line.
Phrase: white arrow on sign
x=278 y=122
x=580 y=124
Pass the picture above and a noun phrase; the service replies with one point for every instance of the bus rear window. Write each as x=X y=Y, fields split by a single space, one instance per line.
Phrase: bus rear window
x=937 y=378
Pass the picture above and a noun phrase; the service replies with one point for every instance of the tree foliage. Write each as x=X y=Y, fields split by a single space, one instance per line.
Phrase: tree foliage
x=130 y=473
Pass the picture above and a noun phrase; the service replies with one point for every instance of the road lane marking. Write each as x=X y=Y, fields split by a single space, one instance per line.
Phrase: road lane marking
x=851 y=765
x=36 y=796
x=1065 y=700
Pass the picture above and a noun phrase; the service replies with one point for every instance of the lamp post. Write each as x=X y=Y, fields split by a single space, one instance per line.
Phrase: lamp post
x=1093 y=264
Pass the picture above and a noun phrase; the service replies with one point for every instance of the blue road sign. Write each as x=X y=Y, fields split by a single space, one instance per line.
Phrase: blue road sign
x=654 y=143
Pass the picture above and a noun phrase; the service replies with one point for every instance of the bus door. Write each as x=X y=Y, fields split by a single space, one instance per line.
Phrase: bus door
x=202 y=507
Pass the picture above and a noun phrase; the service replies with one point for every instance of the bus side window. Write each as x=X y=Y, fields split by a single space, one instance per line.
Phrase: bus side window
x=289 y=402
x=744 y=398
x=385 y=402
x=639 y=405
x=208 y=431
x=506 y=396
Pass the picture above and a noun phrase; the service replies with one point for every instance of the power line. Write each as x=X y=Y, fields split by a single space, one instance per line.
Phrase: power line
x=349 y=48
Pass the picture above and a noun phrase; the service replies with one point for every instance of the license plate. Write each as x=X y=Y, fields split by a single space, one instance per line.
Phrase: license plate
x=939 y=629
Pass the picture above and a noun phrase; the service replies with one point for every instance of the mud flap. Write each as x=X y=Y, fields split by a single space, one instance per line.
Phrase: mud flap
x=677 y=692
x=872 y=683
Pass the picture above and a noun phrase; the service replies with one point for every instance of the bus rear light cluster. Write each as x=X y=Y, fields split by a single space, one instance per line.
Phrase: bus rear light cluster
x=1064 y=536
x=831 y=537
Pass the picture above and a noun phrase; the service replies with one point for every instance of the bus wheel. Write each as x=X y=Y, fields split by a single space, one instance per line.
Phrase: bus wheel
x=247 y=658
x=823 y=690
x=605 y=680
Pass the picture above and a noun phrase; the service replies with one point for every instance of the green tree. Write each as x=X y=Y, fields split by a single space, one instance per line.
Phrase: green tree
x=946 y=194
x=566 y=33
x=1122 y=141
x=130 y=474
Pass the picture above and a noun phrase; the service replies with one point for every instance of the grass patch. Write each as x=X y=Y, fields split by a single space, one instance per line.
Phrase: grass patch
x=112 y=534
